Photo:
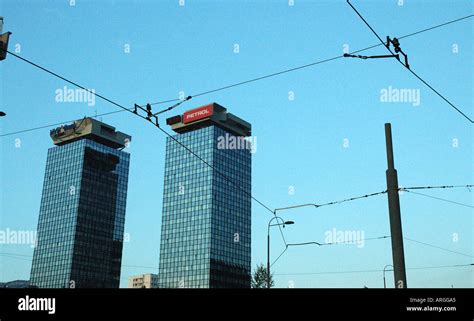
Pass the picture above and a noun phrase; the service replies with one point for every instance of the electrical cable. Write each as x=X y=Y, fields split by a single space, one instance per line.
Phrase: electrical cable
x=438 y=198
x=325 y=244
x=378 y=271
x=438 y=247
x=255 y=79
x=410 y=70
x=330 y=203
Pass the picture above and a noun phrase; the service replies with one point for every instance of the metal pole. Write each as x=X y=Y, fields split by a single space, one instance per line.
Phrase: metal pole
x=268 y=258
x=394 y=214
x=268 y=247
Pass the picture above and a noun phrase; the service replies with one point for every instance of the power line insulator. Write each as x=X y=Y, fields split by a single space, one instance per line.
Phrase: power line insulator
x=148 y=110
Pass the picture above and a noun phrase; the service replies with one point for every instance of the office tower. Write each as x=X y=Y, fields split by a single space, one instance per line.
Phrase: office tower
x=206 y=217
x=82 y=212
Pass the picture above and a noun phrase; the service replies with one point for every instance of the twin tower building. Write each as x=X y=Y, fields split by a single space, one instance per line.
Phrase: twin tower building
x=206 y=215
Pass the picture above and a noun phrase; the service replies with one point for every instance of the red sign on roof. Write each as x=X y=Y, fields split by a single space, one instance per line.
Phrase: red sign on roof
x=198 y=113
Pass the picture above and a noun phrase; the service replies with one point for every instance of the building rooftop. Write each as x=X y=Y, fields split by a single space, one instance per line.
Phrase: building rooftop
x=17 y=284
x=91 y=129
x=211 y=114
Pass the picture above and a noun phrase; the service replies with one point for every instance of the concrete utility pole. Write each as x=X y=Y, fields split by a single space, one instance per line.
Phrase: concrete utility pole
x=394 y=213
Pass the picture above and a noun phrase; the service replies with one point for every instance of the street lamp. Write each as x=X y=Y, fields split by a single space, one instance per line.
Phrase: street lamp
x=385 y=269
x=2 y=114
x=268 y=243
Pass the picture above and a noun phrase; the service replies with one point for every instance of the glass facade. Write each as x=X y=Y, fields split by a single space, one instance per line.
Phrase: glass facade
x=206 y=220
x=82 y=217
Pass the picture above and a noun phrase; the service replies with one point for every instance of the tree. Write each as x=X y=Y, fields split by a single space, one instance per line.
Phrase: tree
x=259 y=278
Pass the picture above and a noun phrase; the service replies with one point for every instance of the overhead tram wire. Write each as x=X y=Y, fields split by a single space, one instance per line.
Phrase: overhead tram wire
x=330 y=203
x=437 y=26
x=148 y=120
x=162 y=102
x=368 y=239
x=30 y=258
x=15 y=257
x=438 y=247
x=468 y=186
x=95 y=116
x=355 y=241
x=280 y=274
x=407 y=189
x=74 y=84
x=323 y=61
x=438 y=198
x=410 y=190
x=409 y=69
x=327 y=244
x=279 y=256
x=98 y=115
x=71 y=82
x=417 y=32
x=376 y=270
x=56 y=124
x=267 y=76
x=262 y=77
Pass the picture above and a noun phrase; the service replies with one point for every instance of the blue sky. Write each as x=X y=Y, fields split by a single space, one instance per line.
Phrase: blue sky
x=300 y=142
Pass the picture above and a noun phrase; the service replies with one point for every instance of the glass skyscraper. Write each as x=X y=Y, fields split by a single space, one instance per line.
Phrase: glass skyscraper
x=82 y=212
x=206 y=220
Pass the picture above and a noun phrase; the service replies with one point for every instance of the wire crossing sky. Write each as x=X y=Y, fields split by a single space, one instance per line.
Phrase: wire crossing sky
x=319 y=131
x=244 y=82
x=415 y=74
